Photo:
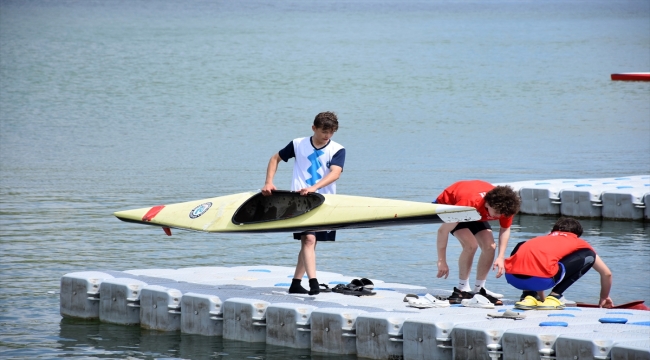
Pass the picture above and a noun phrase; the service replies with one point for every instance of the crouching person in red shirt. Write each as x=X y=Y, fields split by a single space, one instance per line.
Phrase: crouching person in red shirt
x=555 y=261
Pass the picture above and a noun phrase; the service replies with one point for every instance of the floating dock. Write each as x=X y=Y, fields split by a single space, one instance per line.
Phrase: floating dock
x=620 y=198
x=251 y=304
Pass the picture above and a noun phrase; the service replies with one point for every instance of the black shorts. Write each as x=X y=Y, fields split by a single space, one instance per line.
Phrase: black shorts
x=474 y=226
x=320 y=235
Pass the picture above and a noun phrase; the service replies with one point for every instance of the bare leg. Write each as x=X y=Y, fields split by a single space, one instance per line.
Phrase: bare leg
x=300 y=266
x=486 y=242
x=466 y=258
x=306 y=257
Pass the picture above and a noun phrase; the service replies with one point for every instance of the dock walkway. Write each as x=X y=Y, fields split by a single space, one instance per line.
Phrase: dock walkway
x=251 y=304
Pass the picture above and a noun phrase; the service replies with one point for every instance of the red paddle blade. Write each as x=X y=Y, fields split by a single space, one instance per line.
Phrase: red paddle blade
x=167 y=231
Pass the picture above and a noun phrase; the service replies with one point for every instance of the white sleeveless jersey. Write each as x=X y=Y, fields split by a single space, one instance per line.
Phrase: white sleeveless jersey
x=312 y=164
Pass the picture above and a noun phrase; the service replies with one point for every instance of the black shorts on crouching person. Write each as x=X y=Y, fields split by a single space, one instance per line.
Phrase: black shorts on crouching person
x=320 y=235
x=474 y=226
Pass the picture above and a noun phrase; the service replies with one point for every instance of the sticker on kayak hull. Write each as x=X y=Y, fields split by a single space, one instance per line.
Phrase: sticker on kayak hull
x=200 y=210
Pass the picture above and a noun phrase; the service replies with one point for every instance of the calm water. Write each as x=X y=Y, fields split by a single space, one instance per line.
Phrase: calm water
x=111 y=105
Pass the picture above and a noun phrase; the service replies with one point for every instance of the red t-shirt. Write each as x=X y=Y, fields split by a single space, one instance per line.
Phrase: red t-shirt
x=539 y=256
x=471 y=193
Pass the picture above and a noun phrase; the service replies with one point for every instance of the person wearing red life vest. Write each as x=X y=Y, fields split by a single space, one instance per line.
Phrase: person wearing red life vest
x=555 y=261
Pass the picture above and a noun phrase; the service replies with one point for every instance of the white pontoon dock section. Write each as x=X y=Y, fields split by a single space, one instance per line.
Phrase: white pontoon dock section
x=333 y=330
x=626 y=198
x=539 y=341
x=251 y=304
x=201 y=314
x=80 y=294
x=121 y=301
x=160 y=308
x=574 y=345
x=632 y=349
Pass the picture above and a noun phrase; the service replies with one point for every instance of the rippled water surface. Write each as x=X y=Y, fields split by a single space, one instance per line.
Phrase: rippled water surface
x=112 y=105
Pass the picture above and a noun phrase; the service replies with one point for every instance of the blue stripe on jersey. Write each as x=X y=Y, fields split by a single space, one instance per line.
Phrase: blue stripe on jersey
x=313 y=169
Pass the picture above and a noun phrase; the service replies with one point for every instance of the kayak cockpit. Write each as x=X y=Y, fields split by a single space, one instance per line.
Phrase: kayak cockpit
x=280 y=205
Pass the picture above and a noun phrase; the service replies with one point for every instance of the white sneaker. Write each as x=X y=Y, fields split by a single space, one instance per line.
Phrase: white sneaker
x=436 y=301
x=493 y=294
x=427 y=301
x=478 y=301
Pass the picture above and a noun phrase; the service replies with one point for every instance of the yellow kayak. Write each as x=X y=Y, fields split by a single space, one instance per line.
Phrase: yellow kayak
x=287 y=211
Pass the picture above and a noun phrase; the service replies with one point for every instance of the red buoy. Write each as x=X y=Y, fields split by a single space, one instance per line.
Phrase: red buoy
x=640 y=76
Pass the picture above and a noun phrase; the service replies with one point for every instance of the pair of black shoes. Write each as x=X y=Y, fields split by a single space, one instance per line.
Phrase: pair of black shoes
x=356 y=287
x=314 y=287
x=458 y=296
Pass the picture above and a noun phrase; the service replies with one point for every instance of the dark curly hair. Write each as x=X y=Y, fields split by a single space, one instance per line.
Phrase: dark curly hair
x=568 y=224
x=327 y=121
x=504 y=200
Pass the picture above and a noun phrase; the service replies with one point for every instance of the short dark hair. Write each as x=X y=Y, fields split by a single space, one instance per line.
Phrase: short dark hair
x=568 y=224
x=504 y=200
x=327 y=121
